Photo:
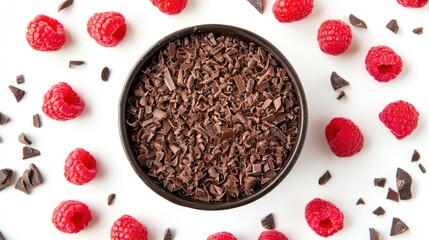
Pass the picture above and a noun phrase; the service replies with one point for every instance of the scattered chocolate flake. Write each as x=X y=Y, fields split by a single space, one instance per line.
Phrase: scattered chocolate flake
x=341 y=95
x=5 y=178
x=416 y=156
x=17 y=92
x=379 y=211
x=325 y=178
x=21 y=186
x=29 y=152
x=360 y=201
x=392 y=25
x=36 y=121
x=65 y=4
x=73 y=63
x=110 y=198
x=404 y=182
x=105 y=74
x=20 y=79
x=392 y=195
x=267 y=222
x=398 y=227
x=3 y=119
x=374 y=234
x=356 y=21
x=338 y=82
x=168 y=235
x=422 y=168
x=379 y=182
x=418 y=30
x=258 y=4
x=23 y=139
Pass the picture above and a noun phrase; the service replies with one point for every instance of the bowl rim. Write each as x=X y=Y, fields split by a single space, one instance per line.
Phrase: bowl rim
x=226 y=30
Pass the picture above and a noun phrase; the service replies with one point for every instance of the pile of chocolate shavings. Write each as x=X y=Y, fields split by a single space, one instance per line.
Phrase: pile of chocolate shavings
x=213 y=118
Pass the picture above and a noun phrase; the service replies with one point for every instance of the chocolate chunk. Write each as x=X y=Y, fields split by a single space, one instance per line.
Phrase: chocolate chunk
x=168 y=235
x=21 y=186
x=374 y=234
x=356 y=21
x=415 y=157
x=105 y=74
x=403 y=183
x=5 y=178
x=341 y=95
x=398 y=227
x=23 y=139
x=379 y=182
x=338 y=82
x=267 y=222
x=20 y=79
x=392 y=195
x=418 y=30
x=110 y=198
x=422 y=168
x=65 y=4
x=36 y=121
x=17 y=92
x=29 y=152
x=3 y=119
x=35 y=177
x=325 y=178
x=392 y=25
x=379 y=211
x=258 y=4
x=360 y=201
x=73 y=63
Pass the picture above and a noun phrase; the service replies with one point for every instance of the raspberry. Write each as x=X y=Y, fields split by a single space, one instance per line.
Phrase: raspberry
x=222 y=236
x=45 y=33
x=383 y=63
x=62 y=103
x=413 y=3
x=323 y=217
x=80 y=167
x=272 y=235
x=334 y=37
x=71 y=216
x=128 y=228
x=107 y=28
x=170 y=7
x=400 y=117
x=344 y=137
x=292 y=10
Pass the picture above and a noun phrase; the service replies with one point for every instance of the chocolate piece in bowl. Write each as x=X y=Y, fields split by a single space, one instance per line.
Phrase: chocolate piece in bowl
x=212 y=117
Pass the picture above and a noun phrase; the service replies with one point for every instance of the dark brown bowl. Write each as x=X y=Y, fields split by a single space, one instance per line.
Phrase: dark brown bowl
x=246 y=36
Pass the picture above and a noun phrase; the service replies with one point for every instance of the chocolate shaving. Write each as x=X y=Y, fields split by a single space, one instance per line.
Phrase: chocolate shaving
x=3 y=119
x=379 y=211
x=418 y=30
x=403 y=183
x=398 y=227
x=73 y=63
x=379 y=182
x=392 y=195
x=325 y=178
x=239 y=83
x=21 y=186
x=5 y=178
x=36 y=121
x=168 y=235
x=341 y=95
x=20 y=79
x=422 y=168
x=258 y=5
x=23 y=139
x=356 y=21
x=338 y=82
x=105 y=74
x=392 y=25
x=65 y=4
x=17 y=92
x=29 y=152
x=169 y=80
x=374 y=234
x=360 y=201
x=267 y=222
x=416 y=156
x=111 y=198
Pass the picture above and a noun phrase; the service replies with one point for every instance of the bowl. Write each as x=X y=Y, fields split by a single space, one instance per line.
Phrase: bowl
x=212 y=117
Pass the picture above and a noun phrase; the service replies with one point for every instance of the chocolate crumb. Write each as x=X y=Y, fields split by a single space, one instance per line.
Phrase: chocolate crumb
x=338 y=82
x=36 y=121
x=418 y=30
x=3 y=119
x=111 y=198
x=374 y=234
x=168 y=235
x=398 y=227
x=392 y=195
x=416 y=156
x=21 y=186
x=29 y=152
x=392 y=25
x=267 y=222
x=356 y=21
x=422 y=168
x=23 y=139
x=379 y=182
x=73 y=63
x=325 y=178
x=258 y=4
x=17 y=92
x=341 y=95
x=5 y=178
x=105 y=74
x=65 y=4
x=379 y=211
x=360 y=201
x=404 y=182
x=20 y=79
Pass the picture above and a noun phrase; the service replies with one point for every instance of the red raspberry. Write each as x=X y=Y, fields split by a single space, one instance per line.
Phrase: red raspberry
x=413 y=3
x=334 y=37
x=383 y=63
x=400 y=117
x=128 y=228
x=272 y=235
x=292 y=10
x=324 y=217
x=80 y=167
x=344 y=137
x=71 y=216
x=170 y=7
x=62 y=103
x=222 y=236
x=107 y=28
x=45 y=33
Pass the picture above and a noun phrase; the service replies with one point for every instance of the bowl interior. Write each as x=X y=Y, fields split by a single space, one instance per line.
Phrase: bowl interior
x=223 y=30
